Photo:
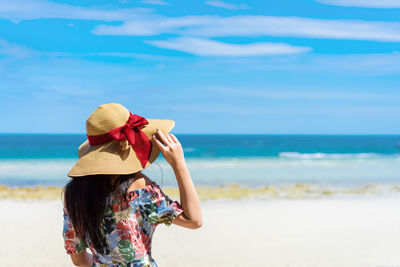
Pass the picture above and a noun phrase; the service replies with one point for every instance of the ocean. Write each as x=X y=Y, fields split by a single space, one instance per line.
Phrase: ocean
x=218 y=160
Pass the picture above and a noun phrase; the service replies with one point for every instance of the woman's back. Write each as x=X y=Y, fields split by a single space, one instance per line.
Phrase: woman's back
x=127 y=227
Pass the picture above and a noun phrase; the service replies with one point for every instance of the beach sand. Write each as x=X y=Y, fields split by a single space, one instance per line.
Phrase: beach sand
x=362 y=231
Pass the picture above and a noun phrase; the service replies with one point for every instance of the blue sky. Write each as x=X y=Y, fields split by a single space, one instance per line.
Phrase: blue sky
x=264 y=67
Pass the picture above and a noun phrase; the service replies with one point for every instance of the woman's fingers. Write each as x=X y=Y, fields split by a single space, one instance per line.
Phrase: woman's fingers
x=174 y=138
x=163 y=138
x=170 y=139
x=158 y=143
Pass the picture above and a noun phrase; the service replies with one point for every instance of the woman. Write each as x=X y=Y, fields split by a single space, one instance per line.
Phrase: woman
x=111 y=207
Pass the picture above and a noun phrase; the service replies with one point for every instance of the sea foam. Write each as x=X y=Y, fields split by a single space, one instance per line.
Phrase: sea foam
x=298 y=155
x=257 y=171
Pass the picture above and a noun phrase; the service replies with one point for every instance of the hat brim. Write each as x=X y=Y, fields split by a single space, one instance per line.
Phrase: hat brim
x=112 y=158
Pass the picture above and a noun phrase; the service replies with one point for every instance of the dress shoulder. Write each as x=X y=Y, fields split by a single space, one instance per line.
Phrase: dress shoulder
x=158 y=207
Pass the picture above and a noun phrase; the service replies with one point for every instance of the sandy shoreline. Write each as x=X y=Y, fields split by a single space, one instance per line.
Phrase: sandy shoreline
x=231 y=191
x=248 y=232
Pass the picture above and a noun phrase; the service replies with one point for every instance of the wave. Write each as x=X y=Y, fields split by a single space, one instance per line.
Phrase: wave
x=298 y=155
x=302 y=168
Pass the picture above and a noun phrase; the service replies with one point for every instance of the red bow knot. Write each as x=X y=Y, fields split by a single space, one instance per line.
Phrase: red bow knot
x=130 y=131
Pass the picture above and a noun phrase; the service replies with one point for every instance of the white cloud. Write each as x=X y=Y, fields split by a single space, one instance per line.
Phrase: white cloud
x=142 y=22
x=230 y=55
x=204 y=47
x=14 y=50
x=154 y=26
x=155 y=2
x=360 y=64
x=215 y=26
x=300 y=27
x=18 y=51
x=301 y=92
x=363 y=3
x=18 y=10
x=367 y=64
x=226 y=5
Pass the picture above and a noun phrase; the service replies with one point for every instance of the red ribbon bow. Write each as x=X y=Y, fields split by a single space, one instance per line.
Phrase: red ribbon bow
x=130 y=131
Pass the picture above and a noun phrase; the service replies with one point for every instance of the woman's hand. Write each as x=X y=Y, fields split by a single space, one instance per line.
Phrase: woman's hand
x=170 y=148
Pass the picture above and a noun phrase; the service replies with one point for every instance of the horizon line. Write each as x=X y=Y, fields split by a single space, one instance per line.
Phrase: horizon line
x=247 y=134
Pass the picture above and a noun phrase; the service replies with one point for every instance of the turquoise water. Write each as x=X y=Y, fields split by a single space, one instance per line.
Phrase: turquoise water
x=250 y=160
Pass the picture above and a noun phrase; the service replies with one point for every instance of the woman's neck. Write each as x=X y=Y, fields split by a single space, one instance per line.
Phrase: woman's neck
x=115 y=180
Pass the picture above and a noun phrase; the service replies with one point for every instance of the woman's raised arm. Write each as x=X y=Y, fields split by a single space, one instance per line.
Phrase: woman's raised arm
x=172 y=151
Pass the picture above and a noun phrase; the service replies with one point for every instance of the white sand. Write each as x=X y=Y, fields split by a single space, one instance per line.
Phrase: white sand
x=329 y=232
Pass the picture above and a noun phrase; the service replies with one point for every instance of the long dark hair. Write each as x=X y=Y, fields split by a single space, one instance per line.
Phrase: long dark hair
x=86 y=199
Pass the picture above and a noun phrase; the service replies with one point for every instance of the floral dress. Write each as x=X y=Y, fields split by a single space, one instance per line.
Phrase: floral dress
x=128 y=227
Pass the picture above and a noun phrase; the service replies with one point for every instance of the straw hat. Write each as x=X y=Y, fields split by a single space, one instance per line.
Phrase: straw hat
x=118 y=142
